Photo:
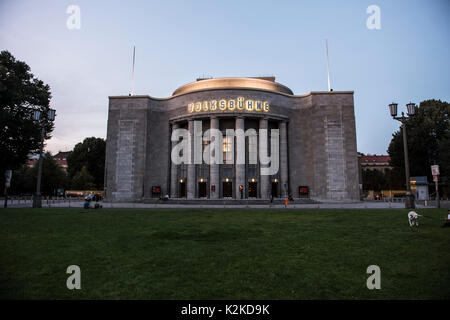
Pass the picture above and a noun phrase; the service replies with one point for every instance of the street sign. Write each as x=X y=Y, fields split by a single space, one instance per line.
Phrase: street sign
x=435 y=170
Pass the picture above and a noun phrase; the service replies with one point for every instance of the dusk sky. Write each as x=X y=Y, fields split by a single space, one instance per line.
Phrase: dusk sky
x=179 y=41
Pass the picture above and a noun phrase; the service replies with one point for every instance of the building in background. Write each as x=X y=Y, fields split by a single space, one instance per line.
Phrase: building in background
x=317 y=142
x=61 y=158
x=375 y=162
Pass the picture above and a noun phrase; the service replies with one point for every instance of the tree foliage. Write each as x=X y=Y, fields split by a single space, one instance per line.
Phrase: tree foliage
x=53 y=177
x=377 y=180
x=373 y=180
x=428 y=135
x=83 y=180
x=22 y=181
x=394 y=180
x=89 y=154
x=20 y=94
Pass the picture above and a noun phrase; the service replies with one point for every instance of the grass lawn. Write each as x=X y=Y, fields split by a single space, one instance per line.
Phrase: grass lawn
x=222 y=254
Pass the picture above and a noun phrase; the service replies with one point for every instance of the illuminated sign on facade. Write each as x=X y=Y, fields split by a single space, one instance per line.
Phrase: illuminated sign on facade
x=238 y=104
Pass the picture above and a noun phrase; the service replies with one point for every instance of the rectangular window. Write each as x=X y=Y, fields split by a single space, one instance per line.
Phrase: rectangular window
x=252 y=150
x=227 y=149
x=183 y=171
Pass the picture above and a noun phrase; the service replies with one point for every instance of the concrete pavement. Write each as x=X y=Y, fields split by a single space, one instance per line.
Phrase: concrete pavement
x=169 y=205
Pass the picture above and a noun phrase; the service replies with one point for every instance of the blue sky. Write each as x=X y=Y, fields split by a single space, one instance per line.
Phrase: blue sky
x=178 y=41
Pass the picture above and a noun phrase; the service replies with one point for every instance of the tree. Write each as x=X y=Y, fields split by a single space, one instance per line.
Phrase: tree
x=373 y=180
x=428 y=133
x=394 y=179
x=89 y=154
x=22 y=181
x=82 y=180
x=53 y=177
x=20 y=94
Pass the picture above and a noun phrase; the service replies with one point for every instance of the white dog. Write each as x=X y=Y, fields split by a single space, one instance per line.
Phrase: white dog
x=413 y=218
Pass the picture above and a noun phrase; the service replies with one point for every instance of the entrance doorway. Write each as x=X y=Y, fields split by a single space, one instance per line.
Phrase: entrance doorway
x=252 y=189
x=202 y=189
x=227 y=189
x=183 y=189
x=274 y=189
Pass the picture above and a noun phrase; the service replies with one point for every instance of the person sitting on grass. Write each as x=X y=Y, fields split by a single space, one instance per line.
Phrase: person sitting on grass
x=447 y=221
x=86 y=204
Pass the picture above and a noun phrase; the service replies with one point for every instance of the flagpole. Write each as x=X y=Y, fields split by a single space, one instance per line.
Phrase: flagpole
x=132 y=75
x=328 y=67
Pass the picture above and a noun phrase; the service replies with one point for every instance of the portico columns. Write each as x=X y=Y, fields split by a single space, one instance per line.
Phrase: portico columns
x=240 y=158
x=173 y=170
x=283 y=159
x=264 y=179
x=214 y=167
x=191 y=166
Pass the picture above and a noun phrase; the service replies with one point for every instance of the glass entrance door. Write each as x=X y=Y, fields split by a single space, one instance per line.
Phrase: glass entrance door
x=227 y=189
x=252 y=189
x=183 y=189
x=275 y=189
x=202 y=189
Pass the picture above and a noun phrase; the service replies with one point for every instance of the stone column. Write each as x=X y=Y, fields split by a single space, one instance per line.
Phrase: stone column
x=190 y=184
x=240 y=153
x=283 y=160
x=214 y=168
x=263 y=179
x=173 y=169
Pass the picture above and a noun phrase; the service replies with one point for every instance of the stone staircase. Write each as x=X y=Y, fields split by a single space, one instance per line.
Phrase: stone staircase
x=227 y=201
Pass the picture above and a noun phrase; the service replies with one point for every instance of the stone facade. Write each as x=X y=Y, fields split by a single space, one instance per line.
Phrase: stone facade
x=317 y=143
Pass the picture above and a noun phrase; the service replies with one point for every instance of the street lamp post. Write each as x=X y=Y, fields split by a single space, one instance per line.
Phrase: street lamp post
x=37 y=199
x=409 y=201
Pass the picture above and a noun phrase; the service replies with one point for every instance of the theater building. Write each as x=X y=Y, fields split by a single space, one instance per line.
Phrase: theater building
x=315 y=134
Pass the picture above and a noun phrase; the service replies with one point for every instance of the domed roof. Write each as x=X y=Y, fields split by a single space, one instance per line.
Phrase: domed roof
x=264 y=83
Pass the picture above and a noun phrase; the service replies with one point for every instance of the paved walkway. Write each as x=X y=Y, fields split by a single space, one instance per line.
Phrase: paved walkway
x=328 y=205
